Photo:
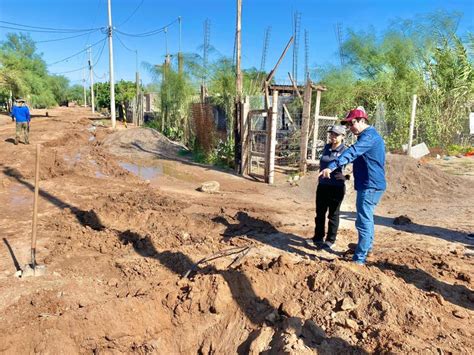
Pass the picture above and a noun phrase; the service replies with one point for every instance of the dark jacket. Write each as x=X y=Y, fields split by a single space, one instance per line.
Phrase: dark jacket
x=329 y=155
x=368 y=155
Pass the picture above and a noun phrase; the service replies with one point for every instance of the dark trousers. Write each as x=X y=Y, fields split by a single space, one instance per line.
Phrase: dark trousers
x=328 y=200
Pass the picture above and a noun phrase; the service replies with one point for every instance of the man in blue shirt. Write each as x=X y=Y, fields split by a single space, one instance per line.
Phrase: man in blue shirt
x=21 y=114
x=368 y=157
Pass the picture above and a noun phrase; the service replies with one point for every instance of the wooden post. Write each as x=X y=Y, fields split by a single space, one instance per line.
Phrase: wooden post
x=295 y=87
x=135 y=113
x=288 y=114
x=238 y=71
x=271 y=140
x=412 y=125
x=316 y=125
x=245 y=137
x=305 y=126
x=35 y=209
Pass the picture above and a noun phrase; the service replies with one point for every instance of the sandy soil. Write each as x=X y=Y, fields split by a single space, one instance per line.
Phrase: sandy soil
x=121 y=229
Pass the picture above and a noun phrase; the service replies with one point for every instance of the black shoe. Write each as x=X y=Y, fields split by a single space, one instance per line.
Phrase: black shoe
x=314 y=243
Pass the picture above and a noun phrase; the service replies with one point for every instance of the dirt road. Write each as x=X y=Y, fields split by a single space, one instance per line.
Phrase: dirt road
x=120 y=222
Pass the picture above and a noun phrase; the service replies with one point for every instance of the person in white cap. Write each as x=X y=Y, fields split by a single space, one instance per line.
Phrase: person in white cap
x=330 y=192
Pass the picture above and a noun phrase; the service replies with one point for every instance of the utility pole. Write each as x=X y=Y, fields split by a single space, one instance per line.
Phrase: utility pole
x=238 y=85
x=238 y=82
x=91 y=78
x=84 y=87
x=111 y=66
x=137 y=108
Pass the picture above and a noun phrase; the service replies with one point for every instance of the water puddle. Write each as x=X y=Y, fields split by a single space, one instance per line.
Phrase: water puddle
x=144 y=172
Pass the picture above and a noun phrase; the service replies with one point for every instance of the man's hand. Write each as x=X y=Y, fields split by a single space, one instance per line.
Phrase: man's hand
x=325 y=173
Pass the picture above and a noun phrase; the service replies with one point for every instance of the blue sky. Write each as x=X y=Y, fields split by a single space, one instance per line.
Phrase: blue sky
x=317 y=17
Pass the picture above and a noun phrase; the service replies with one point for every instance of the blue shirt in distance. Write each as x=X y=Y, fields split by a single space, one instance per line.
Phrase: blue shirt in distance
x=21 y=114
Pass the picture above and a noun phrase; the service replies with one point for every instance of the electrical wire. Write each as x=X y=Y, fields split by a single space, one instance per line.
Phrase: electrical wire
x=68 y=71
x=93 y=24
x=42 y=29
x=85 y=67
x=64 y=38
x=133 y=13
x=149 y=33
x=73 y=55
x=131 y=50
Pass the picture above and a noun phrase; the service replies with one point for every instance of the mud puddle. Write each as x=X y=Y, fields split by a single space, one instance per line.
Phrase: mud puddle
x=143 y=172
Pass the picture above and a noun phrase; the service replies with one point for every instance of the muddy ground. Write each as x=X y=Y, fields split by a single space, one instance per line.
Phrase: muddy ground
x=121 y=227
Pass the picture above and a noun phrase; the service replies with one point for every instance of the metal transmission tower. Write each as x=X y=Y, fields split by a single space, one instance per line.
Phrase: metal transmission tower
x=205 y=49
x=266 y=39
x=338 y=33
x=296 y=44
x=306 y=55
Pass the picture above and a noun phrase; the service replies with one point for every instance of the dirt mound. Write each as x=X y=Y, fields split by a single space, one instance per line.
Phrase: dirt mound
x=414 y=180
x=408 y=179
x=142 y=140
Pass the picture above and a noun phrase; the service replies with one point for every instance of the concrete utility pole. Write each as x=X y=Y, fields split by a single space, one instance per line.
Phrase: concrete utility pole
x=91 y=78
x=111 y=66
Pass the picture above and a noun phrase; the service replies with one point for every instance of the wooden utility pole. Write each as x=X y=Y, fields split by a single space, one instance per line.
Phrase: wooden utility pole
x=91 y=78
x=35 y=209
x=412 y=125
x=84 y=87
x=271 y=140
x=136 y=120
x=316 y=125
x=305 y=126
x=238 y=76
x=244 y=126
x=238 y=86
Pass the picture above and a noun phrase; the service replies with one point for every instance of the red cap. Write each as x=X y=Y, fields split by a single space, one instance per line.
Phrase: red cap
x=358 y=112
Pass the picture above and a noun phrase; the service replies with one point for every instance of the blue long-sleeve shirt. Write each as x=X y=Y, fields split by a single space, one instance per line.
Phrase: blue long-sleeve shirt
x=368 y=157
x=21 y=114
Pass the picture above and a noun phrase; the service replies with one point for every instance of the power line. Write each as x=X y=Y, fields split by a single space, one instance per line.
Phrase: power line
x=149 y=33
x=131 y=50
x=85 y=67
x=133 y=13
x=93 y=24
x=45 y=29
x=64 y=38
x=123 y=44
x=63 y=60
x=68 y=71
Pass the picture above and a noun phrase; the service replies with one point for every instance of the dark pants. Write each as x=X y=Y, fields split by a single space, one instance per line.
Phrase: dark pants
x=328 y=199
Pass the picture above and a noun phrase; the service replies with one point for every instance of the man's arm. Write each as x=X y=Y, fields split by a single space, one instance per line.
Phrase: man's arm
x=362 y=145
x=28 y=117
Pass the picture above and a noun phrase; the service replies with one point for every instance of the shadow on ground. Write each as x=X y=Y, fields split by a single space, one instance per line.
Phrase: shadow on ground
x=415 y=228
